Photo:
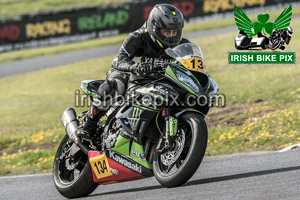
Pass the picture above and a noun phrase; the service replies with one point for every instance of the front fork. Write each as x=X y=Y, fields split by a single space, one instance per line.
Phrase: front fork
x=171 y=130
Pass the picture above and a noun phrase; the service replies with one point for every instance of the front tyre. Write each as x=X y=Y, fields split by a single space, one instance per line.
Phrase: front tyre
x=72 y=177
x=175 y=167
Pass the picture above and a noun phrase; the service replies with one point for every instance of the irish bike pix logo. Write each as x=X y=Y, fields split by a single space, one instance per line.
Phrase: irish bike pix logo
x=261 y=36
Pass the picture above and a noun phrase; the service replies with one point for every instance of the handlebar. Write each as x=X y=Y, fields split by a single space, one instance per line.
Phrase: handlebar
x=158 y=67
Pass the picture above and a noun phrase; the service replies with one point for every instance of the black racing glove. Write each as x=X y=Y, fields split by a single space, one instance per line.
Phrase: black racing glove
x=140 y=68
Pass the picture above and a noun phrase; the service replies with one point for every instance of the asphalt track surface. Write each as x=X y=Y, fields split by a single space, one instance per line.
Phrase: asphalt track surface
x=257 y=176
x=34 y=64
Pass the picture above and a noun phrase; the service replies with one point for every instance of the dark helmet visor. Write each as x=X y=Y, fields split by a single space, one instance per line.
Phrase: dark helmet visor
x=169 y=37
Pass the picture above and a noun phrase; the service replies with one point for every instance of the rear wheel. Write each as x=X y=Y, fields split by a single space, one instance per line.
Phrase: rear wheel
x=175 y=167
x=72 y=175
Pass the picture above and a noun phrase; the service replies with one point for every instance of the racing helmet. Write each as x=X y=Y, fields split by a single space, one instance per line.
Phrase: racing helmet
x=165 y=16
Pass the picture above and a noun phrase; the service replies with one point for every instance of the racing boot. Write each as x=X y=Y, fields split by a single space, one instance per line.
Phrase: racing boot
x=88 y=125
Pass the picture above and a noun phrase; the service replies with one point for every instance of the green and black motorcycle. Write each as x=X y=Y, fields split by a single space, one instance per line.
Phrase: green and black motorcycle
x=159 y=129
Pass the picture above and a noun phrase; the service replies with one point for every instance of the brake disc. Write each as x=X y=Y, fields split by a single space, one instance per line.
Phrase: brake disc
x=71 y=164
x=170 y=157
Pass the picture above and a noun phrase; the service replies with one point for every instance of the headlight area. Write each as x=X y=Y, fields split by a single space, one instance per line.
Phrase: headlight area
x=187 y=80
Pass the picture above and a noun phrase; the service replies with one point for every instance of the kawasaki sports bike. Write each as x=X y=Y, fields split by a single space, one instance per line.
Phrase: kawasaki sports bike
x=158 y=129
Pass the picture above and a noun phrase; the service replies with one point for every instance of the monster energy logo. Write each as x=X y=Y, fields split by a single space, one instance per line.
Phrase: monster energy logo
x=135 y=117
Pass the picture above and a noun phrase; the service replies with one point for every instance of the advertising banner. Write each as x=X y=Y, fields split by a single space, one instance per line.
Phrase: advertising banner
x=84 y=24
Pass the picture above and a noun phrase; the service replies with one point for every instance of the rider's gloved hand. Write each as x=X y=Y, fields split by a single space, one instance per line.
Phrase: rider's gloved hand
x=160 y=66
x=140 y=68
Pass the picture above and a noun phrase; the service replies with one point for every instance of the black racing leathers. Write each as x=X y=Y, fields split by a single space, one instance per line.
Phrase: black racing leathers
x=139 y=44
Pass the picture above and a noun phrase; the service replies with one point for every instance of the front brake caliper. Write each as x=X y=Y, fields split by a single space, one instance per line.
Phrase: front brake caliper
x=171 y=131
x=173 y=126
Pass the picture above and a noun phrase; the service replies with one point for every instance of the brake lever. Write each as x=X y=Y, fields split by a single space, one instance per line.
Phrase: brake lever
x=160 y=67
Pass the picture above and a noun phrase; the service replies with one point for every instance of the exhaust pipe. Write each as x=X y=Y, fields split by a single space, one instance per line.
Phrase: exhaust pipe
x=70 y=122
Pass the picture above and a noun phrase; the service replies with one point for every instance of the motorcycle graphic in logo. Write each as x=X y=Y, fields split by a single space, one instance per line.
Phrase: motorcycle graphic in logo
x=279 y=32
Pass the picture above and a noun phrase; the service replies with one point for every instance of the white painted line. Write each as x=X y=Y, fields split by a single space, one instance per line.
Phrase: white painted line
x=25 y=176
x=290 y=148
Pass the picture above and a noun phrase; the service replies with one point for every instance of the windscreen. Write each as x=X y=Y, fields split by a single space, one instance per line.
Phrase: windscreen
x=183 y=50
x=190 y=56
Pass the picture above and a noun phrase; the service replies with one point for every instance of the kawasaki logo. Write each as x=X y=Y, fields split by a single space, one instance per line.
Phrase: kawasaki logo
x=124 y=162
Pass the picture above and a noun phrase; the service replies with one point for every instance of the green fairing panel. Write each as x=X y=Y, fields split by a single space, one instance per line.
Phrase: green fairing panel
x=88 y=92
x=170 y=73
x=84 y=85
x=122 y=146
x=137 y=154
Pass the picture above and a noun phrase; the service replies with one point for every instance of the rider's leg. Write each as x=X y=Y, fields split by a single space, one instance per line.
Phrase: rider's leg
x=113 y=86
x=98 y=109
x=89 y=123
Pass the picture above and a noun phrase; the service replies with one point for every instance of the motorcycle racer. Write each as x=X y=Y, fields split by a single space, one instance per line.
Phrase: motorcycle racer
x=162 y=30
x=279 y=38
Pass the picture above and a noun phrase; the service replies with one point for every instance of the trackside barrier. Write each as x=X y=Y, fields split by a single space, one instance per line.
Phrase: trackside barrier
x=56 y=28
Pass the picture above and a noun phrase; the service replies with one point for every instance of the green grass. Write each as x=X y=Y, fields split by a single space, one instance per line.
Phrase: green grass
x=32 y=104
x=44 y=51
x=11 y=9
x=272 y=131
x=24 y=162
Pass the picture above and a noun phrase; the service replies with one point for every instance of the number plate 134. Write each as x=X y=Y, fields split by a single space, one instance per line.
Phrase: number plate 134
x=100 y=166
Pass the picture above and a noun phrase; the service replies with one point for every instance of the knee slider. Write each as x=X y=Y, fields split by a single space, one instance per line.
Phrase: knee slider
x=120 y=87
x=106 y=88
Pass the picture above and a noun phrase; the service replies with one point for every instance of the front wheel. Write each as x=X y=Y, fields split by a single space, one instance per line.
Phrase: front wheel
x=72 y=176
x=175 y=167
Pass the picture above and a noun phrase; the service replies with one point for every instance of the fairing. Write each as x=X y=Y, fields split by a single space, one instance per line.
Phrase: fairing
x=119 y=173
